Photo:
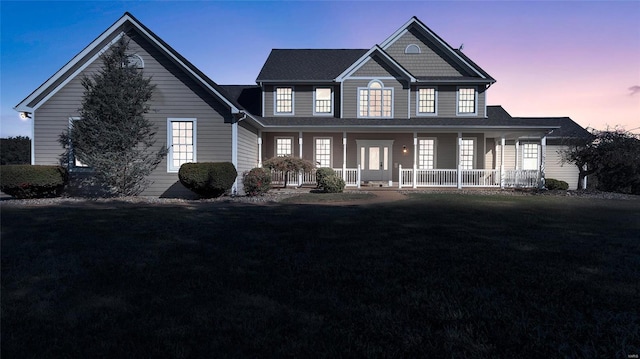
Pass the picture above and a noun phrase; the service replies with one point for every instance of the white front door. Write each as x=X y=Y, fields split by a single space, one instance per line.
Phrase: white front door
x=375 y=159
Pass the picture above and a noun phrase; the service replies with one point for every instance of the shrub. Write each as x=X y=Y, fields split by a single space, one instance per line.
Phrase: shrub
x=287 y=164
x=332 y=184
x=257 y=181
x=208 y=179
x=322 y=173
x=553 y=184
x=27 y=181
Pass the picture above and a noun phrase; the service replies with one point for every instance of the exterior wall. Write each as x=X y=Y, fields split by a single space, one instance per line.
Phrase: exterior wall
x=374 y=67
x=175 y=96
x=430 y=62
x=247 y=151
x=554 y=168
x=303 y=104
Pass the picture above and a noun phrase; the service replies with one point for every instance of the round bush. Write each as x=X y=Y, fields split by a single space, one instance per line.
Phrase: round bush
x=332 y=184
x=256 y=182
x=27 y=181
x=208 y=179
x=553 y=184
x=322 y=173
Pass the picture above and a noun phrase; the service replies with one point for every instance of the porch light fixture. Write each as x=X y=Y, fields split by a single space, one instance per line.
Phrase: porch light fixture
x=25 y=115
x=404 y=149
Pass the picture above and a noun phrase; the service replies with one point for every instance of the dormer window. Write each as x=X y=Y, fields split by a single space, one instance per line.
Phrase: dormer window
x=375 y=100
x=412 y=49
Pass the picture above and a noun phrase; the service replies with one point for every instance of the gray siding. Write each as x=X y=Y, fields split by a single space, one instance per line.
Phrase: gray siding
x=430 y=62
x=247 y=151
x=447 y=100
x=176 y=96
x=375 y=66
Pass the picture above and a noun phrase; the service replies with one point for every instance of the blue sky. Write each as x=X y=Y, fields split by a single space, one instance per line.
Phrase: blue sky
x=566 y=58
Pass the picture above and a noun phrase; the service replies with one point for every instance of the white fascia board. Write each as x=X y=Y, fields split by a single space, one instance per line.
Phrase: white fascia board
x=396 y=35
x=366 y=57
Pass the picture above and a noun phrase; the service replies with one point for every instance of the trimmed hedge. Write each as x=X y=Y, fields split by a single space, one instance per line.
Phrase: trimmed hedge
x=208 y=179
x=552 y=184
x=256 y=182
x=332 y=184
x=27 y=181
x=322 y=173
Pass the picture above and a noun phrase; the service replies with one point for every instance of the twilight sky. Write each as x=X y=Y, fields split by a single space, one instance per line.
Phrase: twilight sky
x=565 y=58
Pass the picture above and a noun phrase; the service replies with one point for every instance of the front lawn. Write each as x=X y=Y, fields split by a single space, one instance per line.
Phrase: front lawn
x=436 y=275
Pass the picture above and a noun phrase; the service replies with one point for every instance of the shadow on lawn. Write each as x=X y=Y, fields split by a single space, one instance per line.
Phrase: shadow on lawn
x=462 y=275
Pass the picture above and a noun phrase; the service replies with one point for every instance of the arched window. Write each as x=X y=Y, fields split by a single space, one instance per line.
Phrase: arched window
x=412 y=49
x=135 y=61
x=375 y=100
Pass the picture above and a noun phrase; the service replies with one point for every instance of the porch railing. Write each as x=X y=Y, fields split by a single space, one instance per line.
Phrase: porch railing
x=468 y=178
x=296 y=179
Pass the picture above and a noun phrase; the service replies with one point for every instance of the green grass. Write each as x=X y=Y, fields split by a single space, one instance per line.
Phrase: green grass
x=438 y=275
x=320 y=197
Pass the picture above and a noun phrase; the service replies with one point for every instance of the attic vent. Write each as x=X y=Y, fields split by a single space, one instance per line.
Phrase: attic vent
x=135 y=61
x=412 y=49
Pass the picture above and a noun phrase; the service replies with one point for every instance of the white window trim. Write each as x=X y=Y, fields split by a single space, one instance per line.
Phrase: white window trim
x=475 y=153
x=170 y=168
x=435 y=99
x=330 y=149
x=314 y=101
x=382 y=88
x=275 y=101
x=475 y=102
x=435 y=151
x=406 y=49
x=275 y=145
x=522 y=158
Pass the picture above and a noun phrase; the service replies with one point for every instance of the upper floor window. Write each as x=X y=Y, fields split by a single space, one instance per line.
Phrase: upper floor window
x=322 y=101
x=284 y=100
x=427 y=101
x=375 y=100
x=466 y=101
x=284 y=146
x=412 y=49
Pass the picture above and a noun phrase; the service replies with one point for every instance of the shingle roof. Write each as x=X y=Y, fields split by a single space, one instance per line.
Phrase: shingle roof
x=248 y=97
x=568 y=127
x=496 y=118
x=307 y=64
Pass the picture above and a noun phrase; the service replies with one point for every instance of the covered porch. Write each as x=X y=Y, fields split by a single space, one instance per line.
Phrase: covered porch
x=414 y=160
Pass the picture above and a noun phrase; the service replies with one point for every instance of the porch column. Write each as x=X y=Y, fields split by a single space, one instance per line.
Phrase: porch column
x=502 y=163
x=234 y=154
x=260 y=149
x=543 y=158
x=344 y=155
x=300 y=152
x=415 y=160
x=458 y=164
x=517 y=153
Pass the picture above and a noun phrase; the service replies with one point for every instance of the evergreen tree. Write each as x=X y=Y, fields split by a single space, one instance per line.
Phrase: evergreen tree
x=113 y=137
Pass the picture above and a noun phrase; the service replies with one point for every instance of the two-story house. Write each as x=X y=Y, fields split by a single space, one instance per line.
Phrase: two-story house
x=408 y=112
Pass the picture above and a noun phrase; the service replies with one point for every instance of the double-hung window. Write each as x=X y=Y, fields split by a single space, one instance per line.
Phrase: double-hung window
x=322 y=152
x=284 y=146
x=375 y=100
x=467 y=150
x=467 y=104
x=426 y=101
x=182 y=142
x=322 y=101
x=284 y=100
x=426 y=153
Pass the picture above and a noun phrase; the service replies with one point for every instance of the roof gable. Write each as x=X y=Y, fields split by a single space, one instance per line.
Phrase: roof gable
x=376 y=54
x=91 y=53
x=442 y=59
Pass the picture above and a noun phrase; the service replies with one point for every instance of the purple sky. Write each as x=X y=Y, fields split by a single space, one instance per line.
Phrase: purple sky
x=565 y=58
